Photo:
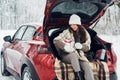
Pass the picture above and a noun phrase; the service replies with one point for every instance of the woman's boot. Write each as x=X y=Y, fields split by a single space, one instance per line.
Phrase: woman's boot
x=78 y=75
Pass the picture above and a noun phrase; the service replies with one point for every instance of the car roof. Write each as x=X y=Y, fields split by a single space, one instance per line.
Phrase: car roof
x=35 y=24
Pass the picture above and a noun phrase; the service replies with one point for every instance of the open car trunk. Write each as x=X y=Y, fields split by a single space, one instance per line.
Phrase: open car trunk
x=57 y=12
x=57 y=16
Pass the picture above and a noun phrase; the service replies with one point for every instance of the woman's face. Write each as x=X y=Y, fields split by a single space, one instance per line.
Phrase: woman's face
x=74 y=27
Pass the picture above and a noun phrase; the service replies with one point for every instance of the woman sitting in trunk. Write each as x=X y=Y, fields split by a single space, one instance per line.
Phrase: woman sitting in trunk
x=71 y=45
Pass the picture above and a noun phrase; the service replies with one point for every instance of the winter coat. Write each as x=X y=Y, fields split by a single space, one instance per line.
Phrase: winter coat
x=67 y=35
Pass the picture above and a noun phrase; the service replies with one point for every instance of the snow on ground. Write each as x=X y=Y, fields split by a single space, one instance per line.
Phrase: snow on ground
x=110 y=38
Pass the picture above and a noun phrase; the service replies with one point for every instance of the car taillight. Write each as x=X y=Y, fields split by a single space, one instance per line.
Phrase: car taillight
x=109 y=62
x=43 y=50
x=112 y=59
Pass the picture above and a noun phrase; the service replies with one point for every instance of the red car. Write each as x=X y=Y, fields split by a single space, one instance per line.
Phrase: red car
x=30 y=54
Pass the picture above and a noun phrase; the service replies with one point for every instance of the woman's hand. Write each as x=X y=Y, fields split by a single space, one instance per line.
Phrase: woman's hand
x=78 y=45
x=68 y=48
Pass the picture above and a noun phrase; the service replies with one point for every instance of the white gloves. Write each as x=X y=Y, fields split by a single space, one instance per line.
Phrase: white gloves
x=68 y=48
x=78 y=45
x=68 y=45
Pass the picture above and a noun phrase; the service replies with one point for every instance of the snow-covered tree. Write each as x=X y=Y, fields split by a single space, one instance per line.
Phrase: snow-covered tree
x=13 y=13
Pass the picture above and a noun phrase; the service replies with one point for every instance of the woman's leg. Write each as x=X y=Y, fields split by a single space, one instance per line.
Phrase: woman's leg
x=88 y=73
x=72 y=59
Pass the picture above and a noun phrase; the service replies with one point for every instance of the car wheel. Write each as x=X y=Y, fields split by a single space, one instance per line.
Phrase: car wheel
x=27 y=74
x=3 y=67
x=113 y=76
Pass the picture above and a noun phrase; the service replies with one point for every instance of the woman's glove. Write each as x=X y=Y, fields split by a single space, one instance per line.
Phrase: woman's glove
x=68 y=48
x=78 y=45
x=68 y=45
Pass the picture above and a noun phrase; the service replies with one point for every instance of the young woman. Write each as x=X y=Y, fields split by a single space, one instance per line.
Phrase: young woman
x=74 y=53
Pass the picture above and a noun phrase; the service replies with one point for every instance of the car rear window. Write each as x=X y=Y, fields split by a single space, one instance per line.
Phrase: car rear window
x=71 y=7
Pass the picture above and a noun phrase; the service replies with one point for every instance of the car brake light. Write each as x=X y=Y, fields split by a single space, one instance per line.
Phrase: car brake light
x=42 y=49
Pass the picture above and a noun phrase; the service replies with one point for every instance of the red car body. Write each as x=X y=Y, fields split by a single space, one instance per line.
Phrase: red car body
x=30 y=45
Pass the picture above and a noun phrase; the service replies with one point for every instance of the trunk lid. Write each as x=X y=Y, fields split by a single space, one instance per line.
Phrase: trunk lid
x=57 y=12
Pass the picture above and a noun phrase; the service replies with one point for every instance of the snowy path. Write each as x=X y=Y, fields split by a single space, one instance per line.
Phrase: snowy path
x=114 y=39
x=6 y=77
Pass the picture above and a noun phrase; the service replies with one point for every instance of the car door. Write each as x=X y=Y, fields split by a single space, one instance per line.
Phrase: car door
x=19 y=46
x=12 y=50
x=23 y=46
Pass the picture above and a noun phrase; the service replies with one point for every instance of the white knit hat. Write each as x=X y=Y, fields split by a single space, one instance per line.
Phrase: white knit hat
x=75 y=19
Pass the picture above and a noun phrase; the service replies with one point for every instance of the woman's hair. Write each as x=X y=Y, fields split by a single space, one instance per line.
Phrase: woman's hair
x=83 y=35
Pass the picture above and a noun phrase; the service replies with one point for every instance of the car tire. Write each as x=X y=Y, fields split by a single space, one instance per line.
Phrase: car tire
x=4 y=71
x=113 y=76
x=27 y=74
